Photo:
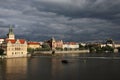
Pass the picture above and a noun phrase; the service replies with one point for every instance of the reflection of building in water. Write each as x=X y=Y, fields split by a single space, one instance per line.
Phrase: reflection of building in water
x=56 y=67
x=16 y=68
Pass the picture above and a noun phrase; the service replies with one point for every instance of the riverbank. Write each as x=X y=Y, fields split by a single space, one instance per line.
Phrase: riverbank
x=57 y=53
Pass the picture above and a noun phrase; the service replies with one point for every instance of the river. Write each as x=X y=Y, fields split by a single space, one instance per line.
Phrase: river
x=80 y=67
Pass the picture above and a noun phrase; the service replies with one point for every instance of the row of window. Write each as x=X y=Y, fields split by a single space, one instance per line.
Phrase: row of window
x=17 y=49
x=17 y=45
x=17 y=53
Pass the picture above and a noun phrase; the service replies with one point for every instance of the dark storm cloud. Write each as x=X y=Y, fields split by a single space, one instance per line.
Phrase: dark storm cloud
x=76 y=20
x=80 y=8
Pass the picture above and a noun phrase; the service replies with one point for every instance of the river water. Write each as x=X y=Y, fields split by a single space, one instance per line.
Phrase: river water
x=80 y=67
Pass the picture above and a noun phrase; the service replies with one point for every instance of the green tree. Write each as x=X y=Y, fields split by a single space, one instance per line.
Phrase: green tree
x=1 y=52
x=58 y=48
x=92 y=49
x=81 y=47
x=45 y=45
x=110 y=41
x=108 y=48
x=30 y=50
x=65 y=48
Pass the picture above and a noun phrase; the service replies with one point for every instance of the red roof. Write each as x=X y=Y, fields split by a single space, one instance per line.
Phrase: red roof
x=11 y=40
x=33 y=43
x=22 y=41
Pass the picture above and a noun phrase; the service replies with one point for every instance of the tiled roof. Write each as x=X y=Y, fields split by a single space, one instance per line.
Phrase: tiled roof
x=11 y=40
x=22 y=41
x=33 y=43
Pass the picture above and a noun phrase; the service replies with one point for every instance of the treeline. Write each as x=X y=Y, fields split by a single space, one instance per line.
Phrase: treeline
x=99 y=49
x=96 y=48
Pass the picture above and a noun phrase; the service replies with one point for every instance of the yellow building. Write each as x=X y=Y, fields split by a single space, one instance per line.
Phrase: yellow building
x=14 y=47
x=33 y=45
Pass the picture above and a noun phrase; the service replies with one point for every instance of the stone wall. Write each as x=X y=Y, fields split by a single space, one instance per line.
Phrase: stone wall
x=65 y=52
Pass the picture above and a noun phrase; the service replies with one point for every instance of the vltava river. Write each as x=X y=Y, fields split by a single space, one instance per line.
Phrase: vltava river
x=82 y=67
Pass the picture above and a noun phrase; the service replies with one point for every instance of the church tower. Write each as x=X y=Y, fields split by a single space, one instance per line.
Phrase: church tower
x=53 y=41
x=10 y=35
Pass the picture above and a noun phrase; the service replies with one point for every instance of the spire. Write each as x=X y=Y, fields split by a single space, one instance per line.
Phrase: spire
x=10 y=35
x=53 y=39
x=10 y=29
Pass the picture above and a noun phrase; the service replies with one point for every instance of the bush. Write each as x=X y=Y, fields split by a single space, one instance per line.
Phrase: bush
x=58 y=48
x=1 y=52
x=108 y=48
x=30 y=50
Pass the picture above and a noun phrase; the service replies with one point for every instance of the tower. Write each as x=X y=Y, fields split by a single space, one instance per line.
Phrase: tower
x=53 y=42
x=10 y=35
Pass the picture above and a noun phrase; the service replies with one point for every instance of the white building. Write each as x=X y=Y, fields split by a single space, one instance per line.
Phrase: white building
x=14 y=47
x=117 y=45
x=1 y=41
x=71 y=45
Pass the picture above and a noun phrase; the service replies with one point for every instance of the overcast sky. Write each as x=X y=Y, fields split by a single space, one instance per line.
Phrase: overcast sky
x=69 y=20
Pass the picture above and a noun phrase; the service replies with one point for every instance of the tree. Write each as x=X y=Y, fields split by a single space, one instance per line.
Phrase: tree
x=81 y=47
x=92 y=49
x=65 y=48
x=45 y=45
x=30 y=50
x=108 y=48
x=1 y=52
x=109 y=41
x=58 y=48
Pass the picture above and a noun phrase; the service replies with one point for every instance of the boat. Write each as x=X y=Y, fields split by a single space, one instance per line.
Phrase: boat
x=65 y=61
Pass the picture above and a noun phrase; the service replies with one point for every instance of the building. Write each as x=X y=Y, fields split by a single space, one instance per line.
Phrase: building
x=1 y=41
x=33 y=45
x=14 y=47
x=55 y=43
x=70 y=45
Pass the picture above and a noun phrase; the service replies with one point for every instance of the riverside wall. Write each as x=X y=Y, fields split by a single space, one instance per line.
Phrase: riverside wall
x=61 y=52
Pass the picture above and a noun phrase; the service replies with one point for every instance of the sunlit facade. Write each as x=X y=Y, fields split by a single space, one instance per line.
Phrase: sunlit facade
x=14 y=47
x=55 y=43
x=70 y=45
x=33 y=45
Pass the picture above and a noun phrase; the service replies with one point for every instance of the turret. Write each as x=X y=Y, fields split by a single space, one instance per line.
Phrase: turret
x=11 y=35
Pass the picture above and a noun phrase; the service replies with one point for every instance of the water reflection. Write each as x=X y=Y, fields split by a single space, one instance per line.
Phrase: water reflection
x=12 y=69
x=81 y=67
x=56 y=68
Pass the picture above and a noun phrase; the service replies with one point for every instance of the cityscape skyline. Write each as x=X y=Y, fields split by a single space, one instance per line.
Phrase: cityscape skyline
x=69 y=20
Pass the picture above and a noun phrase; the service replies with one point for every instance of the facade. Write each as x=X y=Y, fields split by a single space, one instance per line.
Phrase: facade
x=70 y=45
x=33 y=45
x=14 y=47
x=55 y=43
x=117 y=45
x=1 y=41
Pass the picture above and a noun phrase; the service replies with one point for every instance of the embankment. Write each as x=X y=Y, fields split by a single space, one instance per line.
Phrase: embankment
x=49 y=53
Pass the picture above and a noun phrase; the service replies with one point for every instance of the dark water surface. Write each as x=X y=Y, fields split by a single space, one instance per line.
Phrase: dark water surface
x=80 y=67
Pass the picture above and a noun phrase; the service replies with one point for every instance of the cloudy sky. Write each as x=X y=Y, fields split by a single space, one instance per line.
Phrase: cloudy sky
x=69 y=20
